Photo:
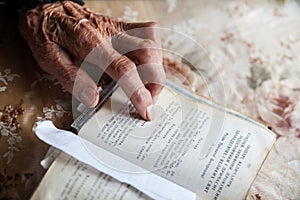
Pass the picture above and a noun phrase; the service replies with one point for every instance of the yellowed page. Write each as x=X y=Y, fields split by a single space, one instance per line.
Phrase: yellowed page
x=170 y=145
x=68 y=178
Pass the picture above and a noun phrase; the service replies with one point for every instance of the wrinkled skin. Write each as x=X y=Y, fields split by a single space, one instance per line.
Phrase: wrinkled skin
x=63 y=34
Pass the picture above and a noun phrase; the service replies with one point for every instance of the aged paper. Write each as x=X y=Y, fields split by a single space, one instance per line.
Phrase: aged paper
x=170 y=145
x=69 y=178
x=163 y=158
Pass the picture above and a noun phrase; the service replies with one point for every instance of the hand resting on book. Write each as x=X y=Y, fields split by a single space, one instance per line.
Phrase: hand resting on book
x=63 y=34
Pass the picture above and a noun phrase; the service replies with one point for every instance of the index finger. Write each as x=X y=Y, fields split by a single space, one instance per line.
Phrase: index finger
x=123 y=70
x=142 y=45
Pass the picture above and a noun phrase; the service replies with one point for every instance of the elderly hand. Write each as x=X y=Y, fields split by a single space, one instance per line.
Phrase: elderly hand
x=63 y=34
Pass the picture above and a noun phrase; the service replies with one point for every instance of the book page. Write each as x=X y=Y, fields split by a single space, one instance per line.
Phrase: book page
x=68 y=178
x=170 y=146
x=150 y=184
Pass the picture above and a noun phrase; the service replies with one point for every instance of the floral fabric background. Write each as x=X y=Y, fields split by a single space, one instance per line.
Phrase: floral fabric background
x=248 y=61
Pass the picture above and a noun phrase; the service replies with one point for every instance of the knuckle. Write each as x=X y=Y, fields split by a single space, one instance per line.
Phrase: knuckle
x=147 y=43
x=84 y=30
x=147 y=56
x=68 y=77
x=138 y=95
x=86 y=37
x=123 y=65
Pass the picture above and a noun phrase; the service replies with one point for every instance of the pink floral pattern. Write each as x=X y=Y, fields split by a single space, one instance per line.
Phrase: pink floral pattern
x=279 y=106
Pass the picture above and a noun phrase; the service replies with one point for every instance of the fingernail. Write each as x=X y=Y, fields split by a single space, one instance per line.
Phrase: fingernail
x=150 y=113
x=88 y=96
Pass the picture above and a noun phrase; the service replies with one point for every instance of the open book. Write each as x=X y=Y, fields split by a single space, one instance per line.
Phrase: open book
x=193 y=149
